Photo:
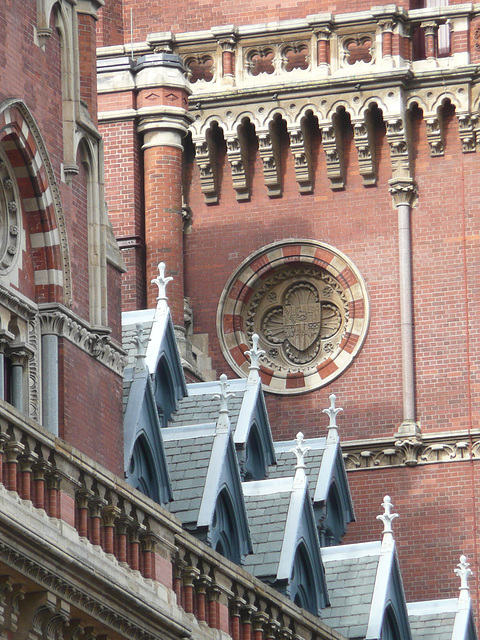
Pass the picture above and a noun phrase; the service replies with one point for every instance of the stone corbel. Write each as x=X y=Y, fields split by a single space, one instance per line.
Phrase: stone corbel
x=44 y=614
x=300 y=148
x=435 y=134
x=204 y=154
x=332 y=142
x=467 y=130
x=271 y=163
x=399 y=151
x=238 y=158
x=365 y=143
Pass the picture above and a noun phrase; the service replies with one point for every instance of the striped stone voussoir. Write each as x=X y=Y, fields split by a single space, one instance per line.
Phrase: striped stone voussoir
x=25 y=150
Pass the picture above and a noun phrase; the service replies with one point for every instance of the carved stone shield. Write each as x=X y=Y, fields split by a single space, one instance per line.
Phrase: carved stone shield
x=302 y=324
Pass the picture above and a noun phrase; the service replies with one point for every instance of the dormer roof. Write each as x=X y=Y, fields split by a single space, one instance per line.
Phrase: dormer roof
x=282 y=523
x=327 y=480
x=203 y=465
x=248 y=419
x=366 y=592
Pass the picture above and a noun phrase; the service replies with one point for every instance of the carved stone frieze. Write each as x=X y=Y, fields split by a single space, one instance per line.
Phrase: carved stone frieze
x=429 y=449
x=46 y=613
x=55 y=319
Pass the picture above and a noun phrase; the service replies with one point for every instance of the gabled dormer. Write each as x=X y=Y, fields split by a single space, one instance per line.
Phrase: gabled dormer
x=162 y=358
x=248 y=416
x=327 y=478
x=372 y=605
x=286 y=549
x=449 y=619
x=144 y=457
x=153 y=385
x=206 y=482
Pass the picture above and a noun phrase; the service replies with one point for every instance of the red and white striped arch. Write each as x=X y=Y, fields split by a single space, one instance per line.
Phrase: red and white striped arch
x=26 y=153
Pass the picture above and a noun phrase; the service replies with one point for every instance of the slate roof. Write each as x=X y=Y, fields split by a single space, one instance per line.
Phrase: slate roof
x=267 y=516
x=188 y=460
x=350 y=571
x=286 y=461
x=432 y=619
x=198 y=407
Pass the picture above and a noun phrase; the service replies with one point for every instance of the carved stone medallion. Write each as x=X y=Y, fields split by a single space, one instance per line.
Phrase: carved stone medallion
x=308 y=304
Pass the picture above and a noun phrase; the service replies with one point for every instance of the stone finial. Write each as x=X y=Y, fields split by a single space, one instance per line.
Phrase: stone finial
x=300 y=450
x=254 y=354
x=161 y=281
x=464 y=572
x=223 y=422
x=332 y=414
x=141 y=348
x=387 y=518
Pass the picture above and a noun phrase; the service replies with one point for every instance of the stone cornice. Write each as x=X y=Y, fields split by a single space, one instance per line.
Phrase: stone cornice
x=58 y=320
x=84 y=576
x=453 y=446
x=19 y=305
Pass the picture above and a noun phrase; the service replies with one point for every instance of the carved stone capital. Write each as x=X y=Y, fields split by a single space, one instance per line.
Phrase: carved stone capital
x=96 y=341
x=403 y=191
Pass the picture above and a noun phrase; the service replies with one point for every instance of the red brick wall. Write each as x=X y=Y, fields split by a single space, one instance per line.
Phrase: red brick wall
x=362 y=223
x=91 y=407
x=124 y=195
x=87 y=42
x=150 y=16
x=437 y=522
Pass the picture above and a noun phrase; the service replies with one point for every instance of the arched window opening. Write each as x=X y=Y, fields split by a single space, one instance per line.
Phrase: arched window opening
x=302 y=585
x=390 y=627
x=253 y=467
x=223 y=532
x=141 y=473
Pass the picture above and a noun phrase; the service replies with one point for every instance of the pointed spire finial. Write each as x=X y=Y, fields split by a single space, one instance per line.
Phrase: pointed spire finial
x=254 y=354
x=141 y=348
x=387 y=518
x=223 y=422
x=300 y=450
x=332 y=414
x=161 y=281
x=464 y=572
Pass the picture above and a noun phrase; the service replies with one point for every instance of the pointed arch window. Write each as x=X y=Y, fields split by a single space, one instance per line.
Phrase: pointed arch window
x=224 y=534
x=302 y=585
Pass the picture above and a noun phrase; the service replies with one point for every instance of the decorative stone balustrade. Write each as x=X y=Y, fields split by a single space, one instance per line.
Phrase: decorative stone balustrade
x=124 y=534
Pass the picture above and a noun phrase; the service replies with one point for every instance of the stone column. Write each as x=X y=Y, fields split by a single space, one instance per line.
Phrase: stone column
x=162 y=107
x=19 y=353
x=404 y=193
x=431 y=37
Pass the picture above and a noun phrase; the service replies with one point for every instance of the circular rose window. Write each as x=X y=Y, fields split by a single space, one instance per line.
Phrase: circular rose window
x=307 y=302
